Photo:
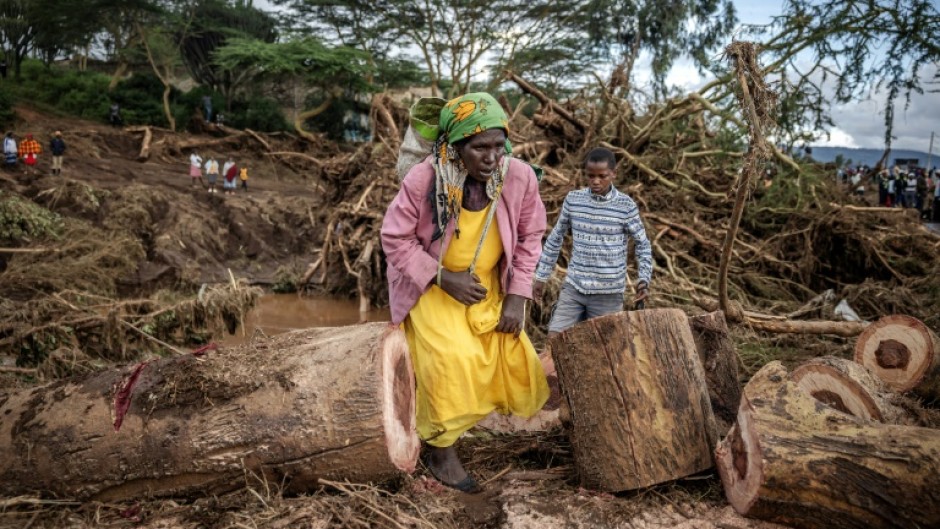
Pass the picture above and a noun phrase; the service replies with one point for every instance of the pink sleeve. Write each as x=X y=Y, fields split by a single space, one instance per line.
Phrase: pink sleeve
x=529 y=243
x=403 y=249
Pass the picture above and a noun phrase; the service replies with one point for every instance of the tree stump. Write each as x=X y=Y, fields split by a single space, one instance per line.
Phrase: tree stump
x=336 y=403
x=637 y=403
x=793 y=461
x=850 y=388
x=722 y=367
x=904 y=353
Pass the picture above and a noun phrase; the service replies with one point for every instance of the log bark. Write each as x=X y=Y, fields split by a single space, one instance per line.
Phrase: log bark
x=904 y=353
x=721 y=364
x=793 y=461
x=635 y=397
x=334 y=403
x=849 y=387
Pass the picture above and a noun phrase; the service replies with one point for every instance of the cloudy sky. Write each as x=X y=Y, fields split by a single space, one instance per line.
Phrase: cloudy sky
x=858 y=124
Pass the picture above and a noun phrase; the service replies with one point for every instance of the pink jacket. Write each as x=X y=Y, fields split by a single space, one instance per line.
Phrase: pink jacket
x=409 y=225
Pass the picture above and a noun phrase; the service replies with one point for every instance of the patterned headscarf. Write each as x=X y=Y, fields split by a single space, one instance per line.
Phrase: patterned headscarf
x=461 y=118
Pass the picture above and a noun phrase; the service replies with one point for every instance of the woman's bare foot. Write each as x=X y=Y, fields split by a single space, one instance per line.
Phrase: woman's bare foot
x=446 y=467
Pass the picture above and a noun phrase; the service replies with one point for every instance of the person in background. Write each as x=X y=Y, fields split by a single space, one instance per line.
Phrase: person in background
x=10 y=151
x=243 y=175
x=57 y=148
x=29 y=151
x=212 y=174
x=920 y=191
x=114 y=115
x=195 y=168
x=229 y=174
x=207 y=107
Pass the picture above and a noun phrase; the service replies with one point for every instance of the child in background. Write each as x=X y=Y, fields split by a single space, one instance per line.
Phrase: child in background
x=243 y=174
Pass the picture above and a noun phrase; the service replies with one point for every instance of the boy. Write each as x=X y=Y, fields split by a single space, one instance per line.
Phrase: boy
x=599 y=219
x=243 y=175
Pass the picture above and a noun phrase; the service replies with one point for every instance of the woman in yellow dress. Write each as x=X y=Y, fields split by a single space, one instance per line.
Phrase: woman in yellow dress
x=462 y=238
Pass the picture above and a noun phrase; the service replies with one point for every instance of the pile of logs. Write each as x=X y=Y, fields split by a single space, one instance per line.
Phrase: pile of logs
x=827 y=445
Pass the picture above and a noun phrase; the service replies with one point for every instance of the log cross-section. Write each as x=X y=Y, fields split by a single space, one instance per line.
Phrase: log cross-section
x=794 y=460
x=333 y=403
x=904 y=353
x=637 y=401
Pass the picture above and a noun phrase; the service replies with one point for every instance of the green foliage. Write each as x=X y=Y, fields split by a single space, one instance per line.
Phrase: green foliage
x=306 y=58
x=258 y=113
x=6 y=106
x=214 y=23
x=140 y=97
x=22 y=221
x=85 y=94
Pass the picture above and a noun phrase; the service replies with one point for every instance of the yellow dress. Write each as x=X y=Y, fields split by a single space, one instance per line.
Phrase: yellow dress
x=465 y=369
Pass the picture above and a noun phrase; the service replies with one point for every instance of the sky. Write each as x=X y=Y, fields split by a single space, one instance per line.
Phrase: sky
x=858 y=124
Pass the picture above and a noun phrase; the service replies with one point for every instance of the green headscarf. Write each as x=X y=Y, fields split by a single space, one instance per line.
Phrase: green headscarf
x=462 y=118
x=470 y=114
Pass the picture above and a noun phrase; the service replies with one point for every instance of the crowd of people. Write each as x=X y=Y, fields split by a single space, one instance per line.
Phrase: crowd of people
x=27 y=151
x=901 y=187
x=230 y=173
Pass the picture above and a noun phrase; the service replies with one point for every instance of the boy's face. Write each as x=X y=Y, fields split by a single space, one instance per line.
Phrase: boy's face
x=599 y=176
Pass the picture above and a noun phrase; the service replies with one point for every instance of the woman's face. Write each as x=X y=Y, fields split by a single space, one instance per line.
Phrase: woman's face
x=482 y=152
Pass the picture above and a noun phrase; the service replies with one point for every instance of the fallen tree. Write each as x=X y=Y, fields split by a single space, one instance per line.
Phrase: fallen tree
x=792 y=460
x=332 y=403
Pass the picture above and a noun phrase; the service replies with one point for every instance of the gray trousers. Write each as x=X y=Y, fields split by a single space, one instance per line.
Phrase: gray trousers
x=574 y=307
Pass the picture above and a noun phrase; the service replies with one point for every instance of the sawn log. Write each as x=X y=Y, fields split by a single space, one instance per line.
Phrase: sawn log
x=636 y=398
x=904 y=353
x=794 y=460
x=336 y=403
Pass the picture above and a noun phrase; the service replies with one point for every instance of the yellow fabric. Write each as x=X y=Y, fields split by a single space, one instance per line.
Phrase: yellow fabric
x=464 y=369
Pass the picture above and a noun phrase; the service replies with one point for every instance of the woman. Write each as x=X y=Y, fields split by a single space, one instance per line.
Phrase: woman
x=462 y=239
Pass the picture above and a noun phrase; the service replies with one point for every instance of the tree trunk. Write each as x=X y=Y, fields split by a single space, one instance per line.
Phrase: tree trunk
x=310 y=114
x=904 y=353
x=792 y=461
x=333 y=403
x=144 y=154
x=722 y=367
x=636 y=399
x=850 y=388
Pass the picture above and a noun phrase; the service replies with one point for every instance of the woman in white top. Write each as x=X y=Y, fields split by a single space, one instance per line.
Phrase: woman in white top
x=195 y=168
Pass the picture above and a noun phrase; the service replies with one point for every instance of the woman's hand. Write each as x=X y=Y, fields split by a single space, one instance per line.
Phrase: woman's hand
x=463 y=286
x=513 y=316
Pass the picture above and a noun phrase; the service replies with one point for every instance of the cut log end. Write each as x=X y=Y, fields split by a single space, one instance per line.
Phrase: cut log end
x=899 y=350
x=398 y=396
x=837 y=389
x=739 y=463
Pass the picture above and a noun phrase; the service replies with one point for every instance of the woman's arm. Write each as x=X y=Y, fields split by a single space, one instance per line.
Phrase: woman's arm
x=400 y=241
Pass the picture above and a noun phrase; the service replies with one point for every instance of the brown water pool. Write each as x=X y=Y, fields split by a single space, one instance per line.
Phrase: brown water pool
x=278 y=313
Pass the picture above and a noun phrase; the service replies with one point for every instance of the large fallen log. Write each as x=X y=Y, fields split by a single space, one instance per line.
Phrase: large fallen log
x=721 y=364
x=850 y=388
x=637 y=402
x=791 y=460
x=904 y=353
x=332 y=403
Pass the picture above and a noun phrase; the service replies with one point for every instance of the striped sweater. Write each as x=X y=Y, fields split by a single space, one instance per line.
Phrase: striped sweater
x=599 y=226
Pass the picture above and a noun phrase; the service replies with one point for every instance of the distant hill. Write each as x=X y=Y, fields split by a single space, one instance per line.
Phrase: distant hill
x=871 y=156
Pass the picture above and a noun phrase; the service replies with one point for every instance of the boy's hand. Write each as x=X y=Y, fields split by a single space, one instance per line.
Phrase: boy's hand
x=642 y=292
x=463 y=286
x=538 y=287
x=513 y=316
